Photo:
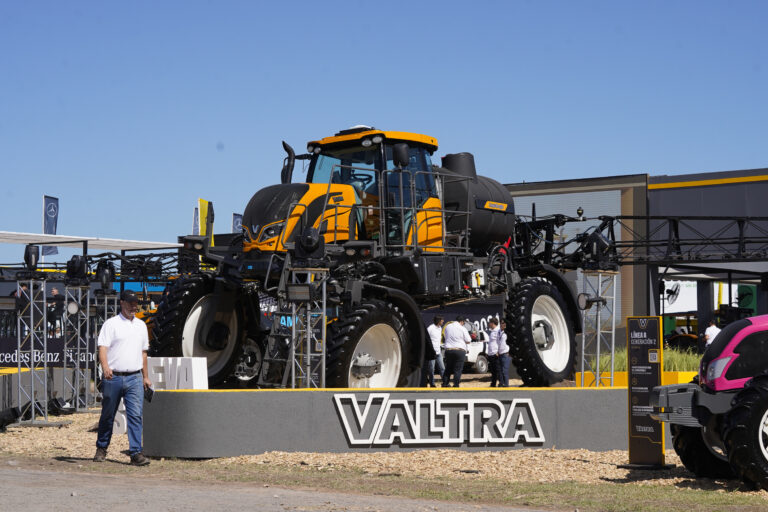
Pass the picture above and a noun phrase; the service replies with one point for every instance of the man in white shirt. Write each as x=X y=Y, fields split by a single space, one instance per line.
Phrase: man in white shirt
x=711 y=332
x=123 y=345
x=493 y=350
x=435 y=333
x=504 y=357
x=457 y=340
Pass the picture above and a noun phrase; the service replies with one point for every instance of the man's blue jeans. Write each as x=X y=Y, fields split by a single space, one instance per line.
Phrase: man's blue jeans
x=504 y=361
x=131 y=390
x=428 y=371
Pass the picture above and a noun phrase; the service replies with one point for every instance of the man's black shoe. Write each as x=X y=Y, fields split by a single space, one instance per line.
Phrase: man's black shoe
x=138 y=459
x=101 y=454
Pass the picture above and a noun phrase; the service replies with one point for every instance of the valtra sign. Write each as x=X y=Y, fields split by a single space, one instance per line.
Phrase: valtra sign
x=380 y=420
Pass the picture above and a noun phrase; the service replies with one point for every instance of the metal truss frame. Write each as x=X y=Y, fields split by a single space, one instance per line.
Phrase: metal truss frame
x=599 y=328
x=308 y=330
x=104 y=305
x=32 y=351
x=77 y=349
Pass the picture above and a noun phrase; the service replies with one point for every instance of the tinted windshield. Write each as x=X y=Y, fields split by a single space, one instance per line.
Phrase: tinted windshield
x=354 y=165
x=420 y=167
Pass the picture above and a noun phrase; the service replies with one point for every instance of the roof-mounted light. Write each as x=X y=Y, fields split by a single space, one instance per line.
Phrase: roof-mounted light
x=317 y=150
x=310 y=148
x=366 y=143
x=377 y=139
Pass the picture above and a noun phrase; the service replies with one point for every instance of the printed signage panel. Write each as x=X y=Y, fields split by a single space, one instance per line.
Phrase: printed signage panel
x=644 y=351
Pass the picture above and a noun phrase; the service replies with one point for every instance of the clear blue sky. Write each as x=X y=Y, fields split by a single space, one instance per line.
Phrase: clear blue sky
x=130 y=111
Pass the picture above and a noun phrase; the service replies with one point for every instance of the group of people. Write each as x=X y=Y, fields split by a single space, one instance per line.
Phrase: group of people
x=455 y=340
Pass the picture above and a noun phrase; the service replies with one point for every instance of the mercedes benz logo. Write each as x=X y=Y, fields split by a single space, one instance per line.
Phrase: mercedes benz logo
x=50 y=210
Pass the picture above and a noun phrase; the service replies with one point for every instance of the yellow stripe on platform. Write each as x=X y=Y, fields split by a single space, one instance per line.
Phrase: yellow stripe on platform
x=377 y=390
x=12 y=370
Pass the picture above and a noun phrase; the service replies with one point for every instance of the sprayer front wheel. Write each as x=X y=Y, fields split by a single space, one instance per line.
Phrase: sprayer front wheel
x=179 y=321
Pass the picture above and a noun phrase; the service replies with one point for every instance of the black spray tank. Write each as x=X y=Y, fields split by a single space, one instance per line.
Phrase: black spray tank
x=491 y=210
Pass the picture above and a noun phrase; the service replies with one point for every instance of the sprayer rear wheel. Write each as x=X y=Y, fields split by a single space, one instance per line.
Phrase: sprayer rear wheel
x=543 y=343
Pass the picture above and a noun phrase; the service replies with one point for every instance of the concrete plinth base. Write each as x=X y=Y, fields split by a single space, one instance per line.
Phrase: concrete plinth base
x=224 y=423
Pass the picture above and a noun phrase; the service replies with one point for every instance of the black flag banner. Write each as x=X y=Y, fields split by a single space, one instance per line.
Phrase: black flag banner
x=237 y=223
x=50 y=220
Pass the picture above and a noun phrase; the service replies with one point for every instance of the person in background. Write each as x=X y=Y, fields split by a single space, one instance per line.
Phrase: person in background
x=493 y=350
x=711 y=332
x=504 y=357
x=435 y=333
x=55 y=311
x=457 y=341
x=22 y=297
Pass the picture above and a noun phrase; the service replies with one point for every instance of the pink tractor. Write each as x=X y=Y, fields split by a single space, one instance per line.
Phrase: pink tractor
x=719 y=422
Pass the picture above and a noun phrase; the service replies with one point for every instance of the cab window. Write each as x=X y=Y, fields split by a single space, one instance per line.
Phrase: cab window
x=420 y=172
x=351 y=166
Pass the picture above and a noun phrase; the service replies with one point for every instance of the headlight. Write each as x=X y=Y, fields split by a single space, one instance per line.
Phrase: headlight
x=271 y=231
x=716 y=367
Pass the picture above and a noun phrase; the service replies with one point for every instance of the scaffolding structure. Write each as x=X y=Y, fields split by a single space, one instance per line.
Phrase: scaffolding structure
x=307 y=295
x=32 y=351
x=599 y=329
x=77 y=347
x=104 y=305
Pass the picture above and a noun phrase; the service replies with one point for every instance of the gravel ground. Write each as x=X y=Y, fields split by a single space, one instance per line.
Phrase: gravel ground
x=77 y=440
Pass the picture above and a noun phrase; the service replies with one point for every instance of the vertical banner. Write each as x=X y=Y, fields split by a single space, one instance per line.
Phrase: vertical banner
x=237 y=223
x=50 y=221
x=196 y=222
x=645 y=364
x=202 y=206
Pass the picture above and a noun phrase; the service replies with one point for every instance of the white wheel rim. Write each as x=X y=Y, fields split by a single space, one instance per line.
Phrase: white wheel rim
x=763 y=435
x=191 y=343
x=556 y=357
x=383 y=344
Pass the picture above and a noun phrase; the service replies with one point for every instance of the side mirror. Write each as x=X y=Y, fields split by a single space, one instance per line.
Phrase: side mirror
x=400 y=155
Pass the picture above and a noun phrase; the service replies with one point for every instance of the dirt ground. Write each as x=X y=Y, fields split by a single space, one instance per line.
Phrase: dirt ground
x=54 y=464
x=76 y=442
x=68 y=448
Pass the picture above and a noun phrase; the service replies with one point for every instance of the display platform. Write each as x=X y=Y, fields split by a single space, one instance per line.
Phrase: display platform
x=226 y=423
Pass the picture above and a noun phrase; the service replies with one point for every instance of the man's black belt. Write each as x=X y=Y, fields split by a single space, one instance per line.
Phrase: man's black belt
x=125 y=374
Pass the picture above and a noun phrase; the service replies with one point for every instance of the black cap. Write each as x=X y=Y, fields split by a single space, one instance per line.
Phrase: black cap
x=128 y=296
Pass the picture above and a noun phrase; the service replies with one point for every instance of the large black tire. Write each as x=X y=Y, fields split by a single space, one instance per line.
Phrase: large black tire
x=540 y=359
x=746 y=433
x=379 y=329
x=176 y=327
x=698 y=453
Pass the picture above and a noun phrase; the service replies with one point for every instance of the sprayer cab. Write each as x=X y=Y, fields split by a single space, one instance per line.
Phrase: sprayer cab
x=361 y=184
